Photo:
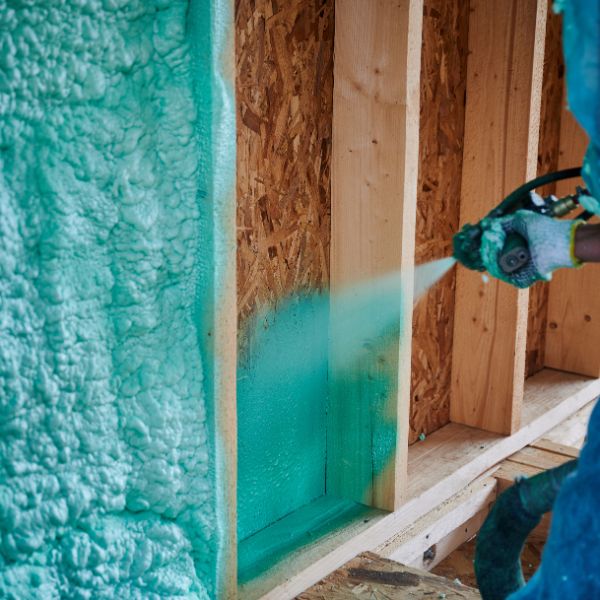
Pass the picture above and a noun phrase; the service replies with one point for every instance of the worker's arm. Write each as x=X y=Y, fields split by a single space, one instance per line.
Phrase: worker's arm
x=587 y=243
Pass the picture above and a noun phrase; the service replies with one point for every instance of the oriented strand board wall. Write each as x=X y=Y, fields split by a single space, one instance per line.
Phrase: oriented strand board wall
x=284 y=86
x=548 y=148
x=443 y=72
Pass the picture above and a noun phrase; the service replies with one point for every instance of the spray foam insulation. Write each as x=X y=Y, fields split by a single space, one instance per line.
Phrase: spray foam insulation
x=106 y=482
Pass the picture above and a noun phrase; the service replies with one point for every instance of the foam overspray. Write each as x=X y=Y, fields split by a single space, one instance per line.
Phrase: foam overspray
x=283 y=386
x=429 y=274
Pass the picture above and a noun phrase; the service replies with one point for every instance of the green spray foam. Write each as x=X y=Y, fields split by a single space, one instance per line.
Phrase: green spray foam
x=282 y=400
x=111 y=114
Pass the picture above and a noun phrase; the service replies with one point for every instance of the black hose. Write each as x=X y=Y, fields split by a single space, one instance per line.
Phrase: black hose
x=515 y=514
x=522 y=192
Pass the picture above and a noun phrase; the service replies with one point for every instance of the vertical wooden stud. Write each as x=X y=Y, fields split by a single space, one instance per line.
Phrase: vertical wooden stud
x=573 y=325
x=374 y=177
x=217 y=319
x=504 y=80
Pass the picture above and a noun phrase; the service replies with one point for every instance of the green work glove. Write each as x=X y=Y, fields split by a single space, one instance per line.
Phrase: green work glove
x=551 y=245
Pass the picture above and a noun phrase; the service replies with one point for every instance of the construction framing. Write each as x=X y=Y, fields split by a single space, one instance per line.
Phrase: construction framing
x=493 y=409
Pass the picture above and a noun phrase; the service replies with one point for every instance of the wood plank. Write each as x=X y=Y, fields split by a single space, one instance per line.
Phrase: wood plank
x=504 y=79
x=408 y=546
x=455 y=454
x=284 y=98
x=573 y=323
x=548 y=149
x=374 y=177
x=542 y=459
x=439 y=467
x=509 y=471
x=216 y=322
x=369 y=576
x=448 y=544
x=572 y=431
x=546 y=444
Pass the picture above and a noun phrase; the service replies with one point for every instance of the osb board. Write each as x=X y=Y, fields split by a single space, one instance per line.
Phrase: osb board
x=284 y=95
x=548 y=148
x=443 y=73
x=371 y=577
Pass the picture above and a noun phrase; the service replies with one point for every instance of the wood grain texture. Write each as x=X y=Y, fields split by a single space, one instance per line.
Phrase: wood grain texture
x=370 y=577
x=548 y=150
x=572 y=431
x=439 y=467
x=442 y=526
x=504 y=81
x=284 y=87
x=573 y=324
x=374 y=180
x=441 y=129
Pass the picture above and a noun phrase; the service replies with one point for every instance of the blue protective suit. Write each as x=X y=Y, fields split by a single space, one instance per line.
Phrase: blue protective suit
x=570 y=566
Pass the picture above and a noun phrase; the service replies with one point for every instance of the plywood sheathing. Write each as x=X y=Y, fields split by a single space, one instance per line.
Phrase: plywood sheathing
x=443 y=73
x=548 y=150
x=284 y=87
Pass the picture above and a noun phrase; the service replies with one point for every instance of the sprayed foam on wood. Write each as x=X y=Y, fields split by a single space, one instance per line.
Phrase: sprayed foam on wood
x=548 y=151
x=284 y=87
x=443 y=73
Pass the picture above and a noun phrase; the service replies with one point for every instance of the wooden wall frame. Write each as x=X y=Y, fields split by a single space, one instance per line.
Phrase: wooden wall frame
x=495 y=410
x=504 y=82
x=374 y=181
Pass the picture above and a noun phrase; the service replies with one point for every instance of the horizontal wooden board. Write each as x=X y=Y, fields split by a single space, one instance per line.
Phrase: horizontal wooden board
x=408 y=546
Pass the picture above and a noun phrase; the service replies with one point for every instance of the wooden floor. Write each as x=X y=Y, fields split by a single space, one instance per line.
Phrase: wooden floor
x=371 y=577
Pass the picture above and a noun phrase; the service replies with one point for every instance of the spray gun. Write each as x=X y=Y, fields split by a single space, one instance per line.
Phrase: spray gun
x=515 y=254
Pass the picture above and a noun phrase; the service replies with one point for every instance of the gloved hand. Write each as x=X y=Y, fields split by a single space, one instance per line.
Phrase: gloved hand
x=550 y=241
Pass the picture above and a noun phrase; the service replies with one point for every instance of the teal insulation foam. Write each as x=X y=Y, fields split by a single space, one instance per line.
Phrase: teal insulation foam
x=107 y=448
x=283 y=399
x=282 y=395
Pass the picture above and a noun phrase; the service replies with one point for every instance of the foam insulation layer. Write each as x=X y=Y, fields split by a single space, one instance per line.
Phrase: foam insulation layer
x=105 y=454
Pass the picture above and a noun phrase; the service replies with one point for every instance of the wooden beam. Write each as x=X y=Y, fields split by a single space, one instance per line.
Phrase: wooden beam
x=539 y=458
x=439 y=467
x=444 y=525
x=374 y=176
x=573 y=324
x=545 y=444
x=572 y=431
x=504 y=79
x=216 y=319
